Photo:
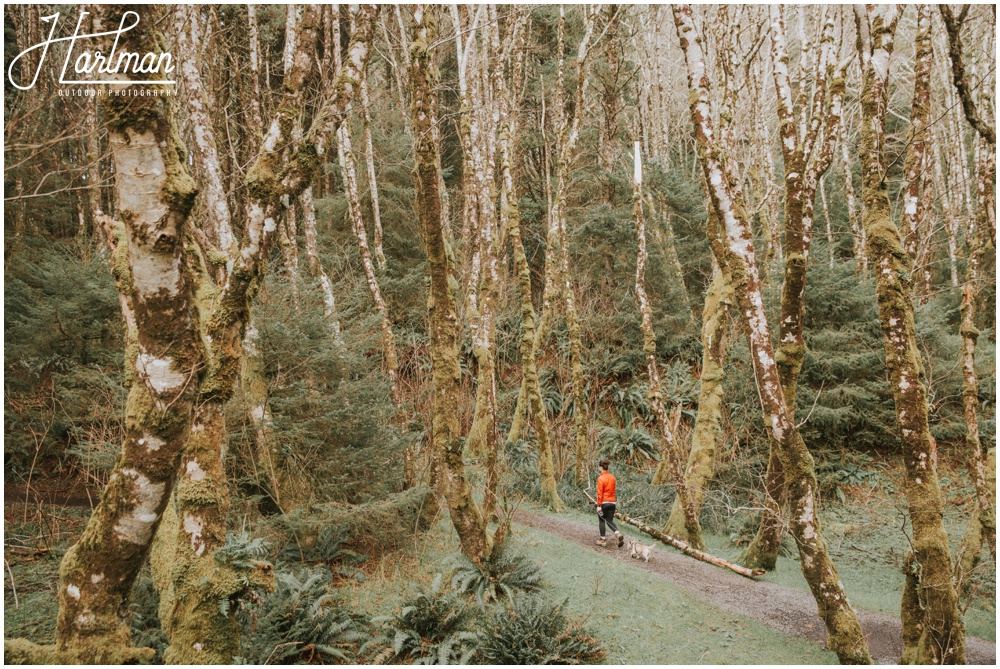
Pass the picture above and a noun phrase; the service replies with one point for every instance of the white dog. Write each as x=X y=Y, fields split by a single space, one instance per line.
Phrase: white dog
x=637 y=550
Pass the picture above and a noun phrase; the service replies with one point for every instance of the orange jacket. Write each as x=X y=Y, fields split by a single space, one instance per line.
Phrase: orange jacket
x=605 y=488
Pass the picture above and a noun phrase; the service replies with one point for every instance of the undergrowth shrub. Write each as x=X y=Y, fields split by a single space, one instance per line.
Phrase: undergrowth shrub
x=301 y=621
x=502 y=574
x=435 y=626
x=530 y=630
x=629 y=444
x=343 y=535
x=64 y=376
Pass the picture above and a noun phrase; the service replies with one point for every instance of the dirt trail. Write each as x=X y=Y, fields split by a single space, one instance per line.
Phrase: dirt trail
x=785 y=609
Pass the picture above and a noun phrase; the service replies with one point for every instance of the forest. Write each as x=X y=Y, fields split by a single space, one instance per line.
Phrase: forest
x=324 y=325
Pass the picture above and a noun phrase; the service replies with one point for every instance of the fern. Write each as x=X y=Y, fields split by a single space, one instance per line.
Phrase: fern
x=502 y=574
x=300 y=621
x=434 y=627
x=532 y=631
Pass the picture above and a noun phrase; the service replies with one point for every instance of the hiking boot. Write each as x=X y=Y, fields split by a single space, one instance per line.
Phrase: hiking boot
x=621 y=539
x=602 y=542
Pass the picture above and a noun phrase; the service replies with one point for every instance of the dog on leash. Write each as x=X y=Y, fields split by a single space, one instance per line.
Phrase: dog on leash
x=637 y=550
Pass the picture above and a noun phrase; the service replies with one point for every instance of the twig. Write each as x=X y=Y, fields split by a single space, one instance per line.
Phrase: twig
x=17 y=604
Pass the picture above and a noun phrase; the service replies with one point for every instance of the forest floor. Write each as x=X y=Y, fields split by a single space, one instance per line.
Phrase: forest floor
x=672 y=610
x=785 y=609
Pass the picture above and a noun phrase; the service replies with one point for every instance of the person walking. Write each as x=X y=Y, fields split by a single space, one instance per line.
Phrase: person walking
x=606 y=503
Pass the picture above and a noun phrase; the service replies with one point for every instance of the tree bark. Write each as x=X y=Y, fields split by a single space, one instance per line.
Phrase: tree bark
x=708 y=422
x=566 y=146
x=366 y=121
x=920 y=111
x=347 y=164
x=442 y=314
x=857 y=231
x=942 y=637
x=953 y=25
x=672 y=458
x=187 y=25
x=808 y=153
x=97 y=573
x=844 y=631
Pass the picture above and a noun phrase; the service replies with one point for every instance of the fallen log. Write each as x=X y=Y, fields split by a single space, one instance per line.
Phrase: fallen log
x=683 y=546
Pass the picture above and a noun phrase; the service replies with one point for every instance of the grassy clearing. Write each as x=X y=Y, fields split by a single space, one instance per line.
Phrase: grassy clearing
x=869 y=536
x=639 y=617
x=867 y=542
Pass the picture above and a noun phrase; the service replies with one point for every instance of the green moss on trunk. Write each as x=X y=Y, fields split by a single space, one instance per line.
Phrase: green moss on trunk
x=441 y=304
x=708 y=422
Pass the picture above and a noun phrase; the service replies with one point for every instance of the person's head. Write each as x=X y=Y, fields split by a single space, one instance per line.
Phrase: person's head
x=604 y=464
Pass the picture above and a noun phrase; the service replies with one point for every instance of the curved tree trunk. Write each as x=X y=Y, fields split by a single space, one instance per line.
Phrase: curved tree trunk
x=942 y=636
x=97 y=573
x=808 y=152
x=195 y=582
x=845 y=635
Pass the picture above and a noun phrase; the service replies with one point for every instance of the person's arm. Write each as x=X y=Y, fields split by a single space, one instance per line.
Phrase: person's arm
x=600 y=490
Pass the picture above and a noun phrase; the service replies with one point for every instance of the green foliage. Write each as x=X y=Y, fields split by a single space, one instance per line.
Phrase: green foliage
x=629 y=444
x=529 y=630
x=330 y=405
x=300 y=622
x=848 y=469
x=432 y=627
x=502 y=574
x=342 y=535
x=145 y=618
x=63 y=356
x=241 y=553
x=628 y=402
x=521 y=456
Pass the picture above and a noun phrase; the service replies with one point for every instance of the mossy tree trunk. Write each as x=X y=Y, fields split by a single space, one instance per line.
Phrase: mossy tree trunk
x=672 y=454
x=441 y=305
x=953 y=25
x=196 y=581
x=510 y=216
x=566 y=146
x=558 y=280
x=479 y=118
x=941 y=637
x=982 y=526
x=807 y=141
x=737 y=254
x=155 y=196
x=708 y=422
x=916 y=147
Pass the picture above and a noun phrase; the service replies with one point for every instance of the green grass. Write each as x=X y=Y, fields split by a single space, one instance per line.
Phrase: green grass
x=872 y=581
x=640 y=618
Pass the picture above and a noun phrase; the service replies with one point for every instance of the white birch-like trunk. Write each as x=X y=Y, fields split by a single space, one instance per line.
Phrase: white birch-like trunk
x=845 y=635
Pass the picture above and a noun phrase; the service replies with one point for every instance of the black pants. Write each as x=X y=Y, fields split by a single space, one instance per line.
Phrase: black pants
x=608 y=516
